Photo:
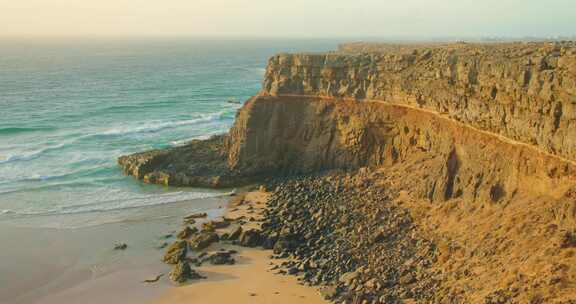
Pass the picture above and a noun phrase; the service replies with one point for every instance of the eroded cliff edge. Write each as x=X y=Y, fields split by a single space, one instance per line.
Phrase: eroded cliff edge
x=371 y=105
x=526 y=92
x=477 y=142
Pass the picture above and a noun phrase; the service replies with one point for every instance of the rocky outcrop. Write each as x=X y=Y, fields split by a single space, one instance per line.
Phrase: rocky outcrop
x=307 y=134
x=475 y=145
x=526 y=92
x=351 y=109
x=201 y=163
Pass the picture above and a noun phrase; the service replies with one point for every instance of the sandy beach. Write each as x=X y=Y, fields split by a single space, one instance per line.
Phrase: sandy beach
x=81 y=266
x=251 y=279
x=50 y=265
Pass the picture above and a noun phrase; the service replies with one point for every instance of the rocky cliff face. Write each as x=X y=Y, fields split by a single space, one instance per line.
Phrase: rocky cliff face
x=308 y=134
x=526 y=92
x=476 y=142
x=491 y=114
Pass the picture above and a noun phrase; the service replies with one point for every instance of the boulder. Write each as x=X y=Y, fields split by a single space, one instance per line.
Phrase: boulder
x=282 y=245
x=328 y=292
x=121 y=246
x=221 y=258
x=203 y=240
x=213 y=225
x=176 y=252
x=348 y=277
x=251 y=238
x=196 y=215
x=235 y=235
x=186 y=232
x=182 y=272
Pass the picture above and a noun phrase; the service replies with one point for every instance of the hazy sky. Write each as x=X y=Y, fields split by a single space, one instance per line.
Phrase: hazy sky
x=298 y=18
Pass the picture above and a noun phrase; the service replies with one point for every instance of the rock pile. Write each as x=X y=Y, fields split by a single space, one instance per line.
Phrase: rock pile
x=342 y=232
x=336 y=230
x=189 y=249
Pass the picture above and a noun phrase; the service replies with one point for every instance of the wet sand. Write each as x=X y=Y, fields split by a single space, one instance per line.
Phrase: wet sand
x=47 y=265
x=250 y=280
x=58 y=266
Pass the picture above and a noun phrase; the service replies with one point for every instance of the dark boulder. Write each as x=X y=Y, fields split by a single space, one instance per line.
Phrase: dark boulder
x=251 y=238
x=220 y=258
x=175 y=252
x=203 y=240
x=186 y=232
x=235 y=235
x=213 y=225
x=182 y=272
x=121 y=246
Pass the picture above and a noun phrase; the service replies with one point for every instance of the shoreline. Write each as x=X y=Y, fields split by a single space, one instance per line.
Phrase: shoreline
x=81 y=263
x=253 y=278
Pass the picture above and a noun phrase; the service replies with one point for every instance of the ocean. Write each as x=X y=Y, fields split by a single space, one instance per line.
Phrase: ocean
x=70 y=107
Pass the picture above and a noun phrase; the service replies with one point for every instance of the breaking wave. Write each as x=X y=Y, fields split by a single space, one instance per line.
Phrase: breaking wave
x=161 y=125
x=27 y=156
x=119 y=204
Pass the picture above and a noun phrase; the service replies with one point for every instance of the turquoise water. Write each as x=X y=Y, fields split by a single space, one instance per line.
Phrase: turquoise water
x=70 y=108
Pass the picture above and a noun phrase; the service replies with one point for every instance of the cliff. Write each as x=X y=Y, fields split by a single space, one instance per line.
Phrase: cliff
x=495 y=114
x=477 y=142
x=526 y=92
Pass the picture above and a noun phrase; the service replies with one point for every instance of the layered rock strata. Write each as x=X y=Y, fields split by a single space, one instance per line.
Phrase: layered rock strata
x=302 y=135
x=477 y=143
x=526 y=92
x=348 y=110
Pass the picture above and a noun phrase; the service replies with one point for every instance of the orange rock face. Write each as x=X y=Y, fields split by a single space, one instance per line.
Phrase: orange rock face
x=526 y=92
x=478 y=141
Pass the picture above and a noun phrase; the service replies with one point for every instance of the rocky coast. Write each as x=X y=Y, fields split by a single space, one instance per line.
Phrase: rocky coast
x=398 y=174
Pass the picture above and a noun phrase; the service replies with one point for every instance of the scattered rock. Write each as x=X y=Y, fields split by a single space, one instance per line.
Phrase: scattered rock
x=329 y=292
x=348 y=277
x=293 y=270
x=213 y=225
x=153 y=280
x=120 y=246
x=220 y=258
x=203 y=240
x=236 y=233
x=568 y=239
x=196 y=216
x=176 y=252
x=350 y=238
x=250 y=238
x=190 y=221
x=186 y=232
x=182 y=272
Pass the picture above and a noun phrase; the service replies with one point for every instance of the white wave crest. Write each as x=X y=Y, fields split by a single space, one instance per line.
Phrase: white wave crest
x=30 y=155
x=161 y=125
x=121 y=204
